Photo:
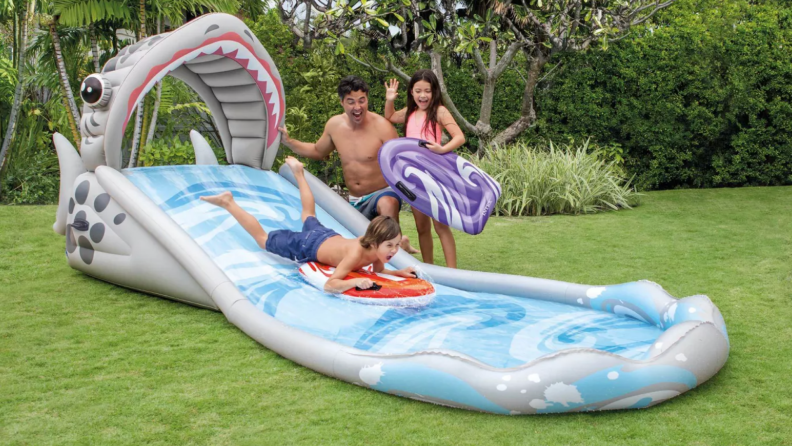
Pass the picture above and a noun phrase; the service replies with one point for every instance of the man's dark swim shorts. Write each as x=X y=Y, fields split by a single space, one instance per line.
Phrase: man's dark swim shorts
x=367 y=204
x=299 y=246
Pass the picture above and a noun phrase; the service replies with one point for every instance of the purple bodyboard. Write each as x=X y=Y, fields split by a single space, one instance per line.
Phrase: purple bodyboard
x=446 y=187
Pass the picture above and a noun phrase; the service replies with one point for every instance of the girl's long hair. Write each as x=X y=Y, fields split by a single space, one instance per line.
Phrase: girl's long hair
x=430 y=124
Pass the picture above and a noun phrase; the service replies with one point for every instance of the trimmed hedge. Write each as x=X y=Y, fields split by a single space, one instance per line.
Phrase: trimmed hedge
x=701 y=101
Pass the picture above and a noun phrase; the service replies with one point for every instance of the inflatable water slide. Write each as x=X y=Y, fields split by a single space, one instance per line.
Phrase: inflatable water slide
x=488 y=342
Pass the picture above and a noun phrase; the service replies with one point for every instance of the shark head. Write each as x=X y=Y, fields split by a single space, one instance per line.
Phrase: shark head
x=219 y=58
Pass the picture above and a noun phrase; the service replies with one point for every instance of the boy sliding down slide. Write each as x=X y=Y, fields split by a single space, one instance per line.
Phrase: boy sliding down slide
x=315 y=243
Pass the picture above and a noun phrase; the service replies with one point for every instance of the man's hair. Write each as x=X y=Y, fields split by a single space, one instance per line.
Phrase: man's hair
x=380 y=229
x=350 y=84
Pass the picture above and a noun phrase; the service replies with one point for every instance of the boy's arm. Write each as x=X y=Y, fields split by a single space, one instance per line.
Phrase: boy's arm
x=408 y=272
x=316 y=151
x=337 y=284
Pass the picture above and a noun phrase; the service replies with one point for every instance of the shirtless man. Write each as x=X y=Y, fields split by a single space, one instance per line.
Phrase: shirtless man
x=357 y=135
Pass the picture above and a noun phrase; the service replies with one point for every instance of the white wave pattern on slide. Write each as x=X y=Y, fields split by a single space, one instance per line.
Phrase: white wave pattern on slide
x=236 y=257
x=431 y=333
x=438 y=196
x=527 y=343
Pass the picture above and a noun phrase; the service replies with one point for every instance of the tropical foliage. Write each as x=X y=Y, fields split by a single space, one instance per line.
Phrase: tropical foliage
x=491 y=33
x=557 y=179
x=696 y=96
x=48 y=48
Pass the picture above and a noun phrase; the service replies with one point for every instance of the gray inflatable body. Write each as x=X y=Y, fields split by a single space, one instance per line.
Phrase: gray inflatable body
x=489 y=342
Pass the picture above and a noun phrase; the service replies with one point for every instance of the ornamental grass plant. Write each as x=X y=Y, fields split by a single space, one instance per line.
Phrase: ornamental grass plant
x=557 y=179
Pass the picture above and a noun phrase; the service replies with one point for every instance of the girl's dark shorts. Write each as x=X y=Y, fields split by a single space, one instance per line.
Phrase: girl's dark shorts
x=299 y=246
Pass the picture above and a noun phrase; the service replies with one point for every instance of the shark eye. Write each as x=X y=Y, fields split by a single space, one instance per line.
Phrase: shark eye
x=95 y=91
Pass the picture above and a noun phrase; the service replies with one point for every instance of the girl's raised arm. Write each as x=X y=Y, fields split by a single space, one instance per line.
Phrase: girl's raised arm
x=391 y=91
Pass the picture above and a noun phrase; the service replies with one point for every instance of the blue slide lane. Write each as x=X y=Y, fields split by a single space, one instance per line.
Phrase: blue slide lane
x=499 y=330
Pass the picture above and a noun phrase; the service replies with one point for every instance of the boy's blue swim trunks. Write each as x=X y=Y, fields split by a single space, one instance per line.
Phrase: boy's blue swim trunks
x=299 y=246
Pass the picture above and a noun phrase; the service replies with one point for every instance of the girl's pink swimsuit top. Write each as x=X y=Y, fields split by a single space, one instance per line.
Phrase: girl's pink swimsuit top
x=415 y=129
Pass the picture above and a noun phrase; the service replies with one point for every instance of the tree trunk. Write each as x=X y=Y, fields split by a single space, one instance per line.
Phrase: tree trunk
x=537 y=61
x=157 y=100
x=487 y=96
x=94 y=48
x=66 y=91
x=153 y=125
x=142 y=19
x=307 y=28
x=136 y=135
x=23 y=36
x=144 y=127
x=134 y=152
x=14 y=48
x=437 y=68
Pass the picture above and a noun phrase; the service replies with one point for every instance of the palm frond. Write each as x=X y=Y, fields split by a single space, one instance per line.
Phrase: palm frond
x=84 y=12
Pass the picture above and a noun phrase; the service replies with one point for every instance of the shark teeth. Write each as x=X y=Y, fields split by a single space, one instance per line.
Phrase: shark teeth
x=240 y=53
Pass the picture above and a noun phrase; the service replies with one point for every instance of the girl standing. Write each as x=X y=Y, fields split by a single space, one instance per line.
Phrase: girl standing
x=426 y=117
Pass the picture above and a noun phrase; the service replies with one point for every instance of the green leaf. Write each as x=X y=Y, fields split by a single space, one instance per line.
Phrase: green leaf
x=430 y=39
x=398 y=17
x=382 y=22
x=339 y=49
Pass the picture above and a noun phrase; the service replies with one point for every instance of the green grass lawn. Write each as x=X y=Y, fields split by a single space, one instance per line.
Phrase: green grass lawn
x=85 y=362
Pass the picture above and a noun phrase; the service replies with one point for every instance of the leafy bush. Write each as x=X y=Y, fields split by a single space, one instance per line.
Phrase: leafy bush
x=556 y=180
x=167 y=152
x=31 y=175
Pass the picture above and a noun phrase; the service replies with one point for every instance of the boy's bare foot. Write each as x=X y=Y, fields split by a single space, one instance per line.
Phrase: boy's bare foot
x=405 y=245
x=294 y=164
x=221 y=200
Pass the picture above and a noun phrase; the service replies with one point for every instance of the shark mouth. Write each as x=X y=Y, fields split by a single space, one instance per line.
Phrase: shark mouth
x=233 y=47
